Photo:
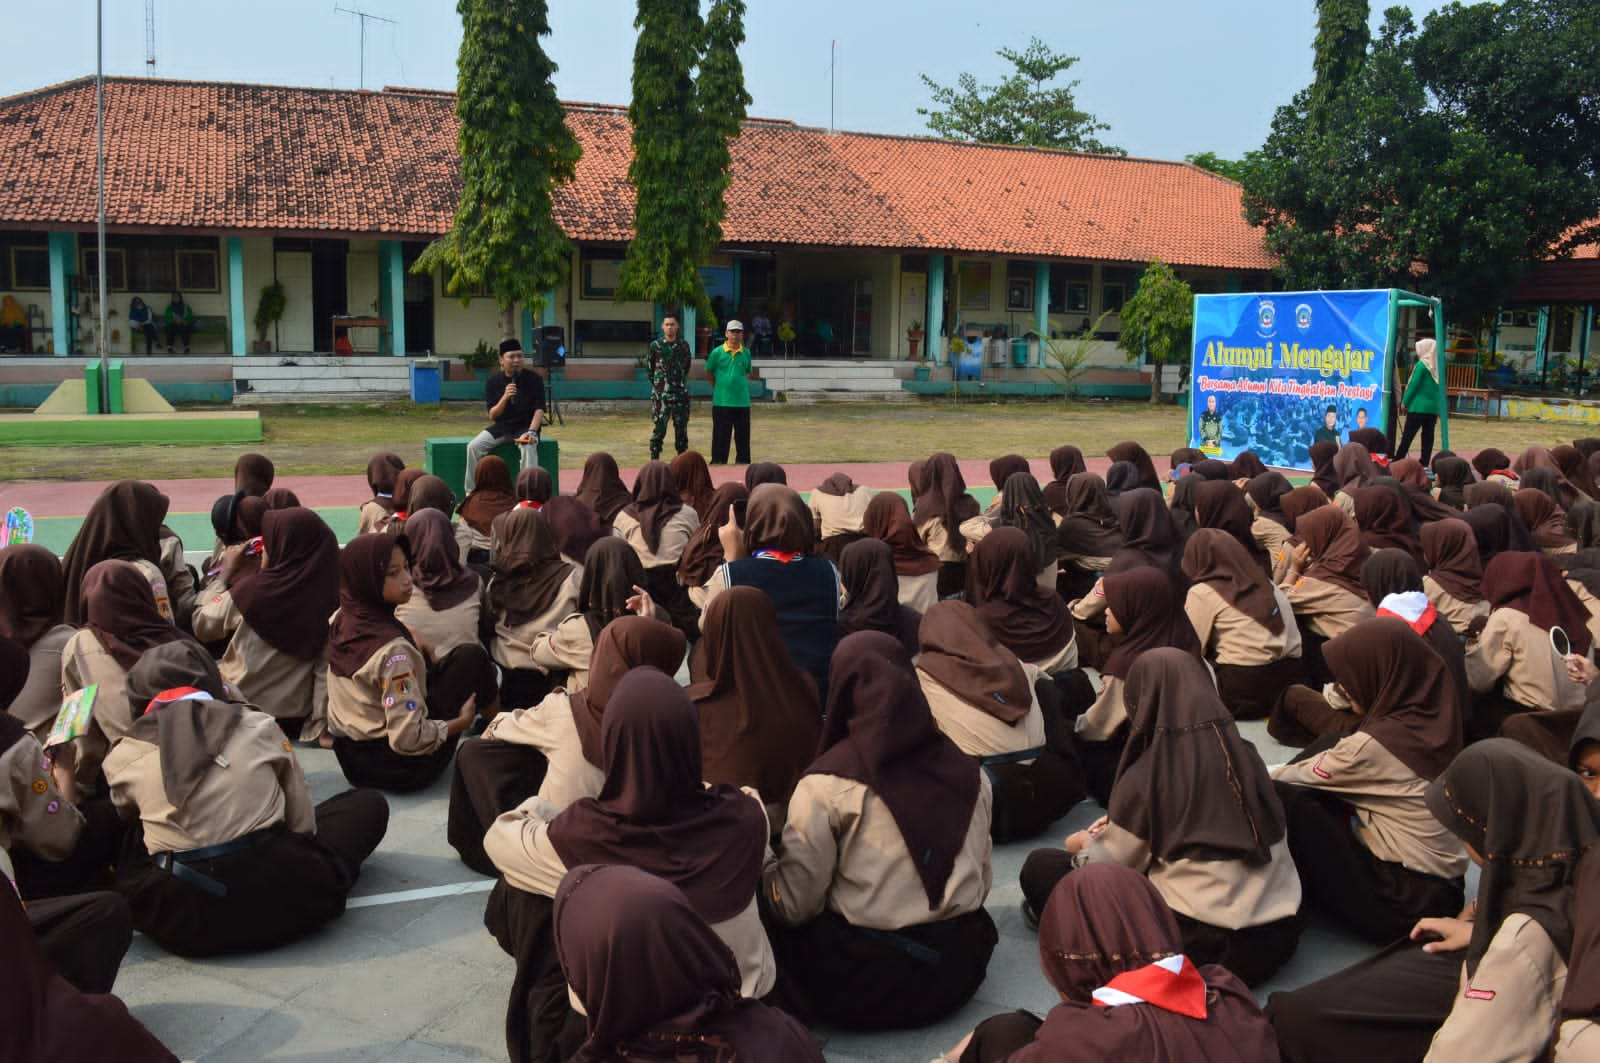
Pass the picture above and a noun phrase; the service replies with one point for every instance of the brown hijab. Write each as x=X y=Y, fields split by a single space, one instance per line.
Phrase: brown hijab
x=866 y=571
x=601 y=487
x=704 y=554
x=1104 y=921
x=1247 y=466
x=1300 y=501
x=764 y=472
x=611 y=569
x=365 y=622
x=382 y=470
x=1150 y=611
x=1132 y=452
x=778 y=519
x=1221 y=505
x=1022 y=506
x=1532 y=584
x=939 y=492
x=1385 y=522
x=1150 y=535
x=124 y=523
x=1337 y=552
x=760 y=717
x=1531 y=821
x=1353 y=468
x=879 y=731
x=575 y=525
x=657 y=984
x=33 y=592
x=117 y=605
x=1451 y=553
x=191 y=732
x=529 y=571
x=1005 y=467
x=281 y=498
x=1574 y=466
x=289 y=602
x=1188 y=784
x=1214 y=557
x=252 y=474
x=656 y=813
x=1454 y=476
x=655 y=501
x=1267 y=492
x=1490 y=461
x=838 y=485
x=1583 y=524
x=1031 y=622
x=626 y=643
x=491 y=494
x=534 y=485
x=960 y=652
x=1088 y=526
x=692 y=477
x=1065 y=463
x=436 y=569
x=430 y=492
x=404 y=480
x=1403 y=690
x=1544 y=519
x=887 y=518
x=1322 y=475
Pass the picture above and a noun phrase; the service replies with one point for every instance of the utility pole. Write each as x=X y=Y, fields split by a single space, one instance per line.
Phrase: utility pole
x=363 y=16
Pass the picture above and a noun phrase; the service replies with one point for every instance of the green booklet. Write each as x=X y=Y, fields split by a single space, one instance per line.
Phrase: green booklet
x=73 y=719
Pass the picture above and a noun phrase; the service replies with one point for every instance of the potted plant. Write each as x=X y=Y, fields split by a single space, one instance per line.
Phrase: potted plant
x=914 y=336
x=786 y=336
x=703 y=333
x=269 y=311
x=481 y=359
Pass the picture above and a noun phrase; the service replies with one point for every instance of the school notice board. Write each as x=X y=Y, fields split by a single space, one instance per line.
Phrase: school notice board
x=1274 y=372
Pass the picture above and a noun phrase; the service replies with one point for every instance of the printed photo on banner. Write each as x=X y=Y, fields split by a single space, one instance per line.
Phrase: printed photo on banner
x=1275 y=372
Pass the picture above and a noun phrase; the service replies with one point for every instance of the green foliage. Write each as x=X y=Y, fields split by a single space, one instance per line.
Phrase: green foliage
x=484 y=356
x=1066 y=359
x=1232 y=169
x=515 y=150
x=270 y=309
x=1022 y=109
x=1158 y=321
x=1427 y=169
x=1340 y=48
x=688 y=102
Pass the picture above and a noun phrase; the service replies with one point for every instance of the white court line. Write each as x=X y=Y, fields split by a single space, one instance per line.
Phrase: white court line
x=400 y=897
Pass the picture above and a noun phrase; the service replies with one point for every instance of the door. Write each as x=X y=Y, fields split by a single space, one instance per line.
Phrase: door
x=295 y=327
x=361 y=297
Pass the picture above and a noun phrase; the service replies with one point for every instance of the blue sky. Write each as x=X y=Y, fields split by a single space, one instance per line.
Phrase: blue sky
x=1170 y=76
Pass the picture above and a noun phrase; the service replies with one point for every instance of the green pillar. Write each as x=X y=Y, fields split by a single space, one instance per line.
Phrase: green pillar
x=392 y=293
x=935 y=337
x=63 y=251
x=239 y=341
x=1041 y=307
x=686 y=330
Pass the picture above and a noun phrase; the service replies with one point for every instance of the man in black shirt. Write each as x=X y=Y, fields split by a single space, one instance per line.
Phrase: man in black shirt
x=515 y=398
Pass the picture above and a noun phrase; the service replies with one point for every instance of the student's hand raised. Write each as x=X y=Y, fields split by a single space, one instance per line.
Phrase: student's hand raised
x=1450 y=935
x=640 y=604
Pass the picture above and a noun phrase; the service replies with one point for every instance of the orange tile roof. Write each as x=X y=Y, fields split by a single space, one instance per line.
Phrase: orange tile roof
x=239 y=158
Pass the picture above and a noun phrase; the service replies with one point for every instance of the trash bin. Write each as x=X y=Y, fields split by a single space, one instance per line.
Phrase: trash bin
x=997 y=351
x=969 y=366
x=425 y=381
x=1019 y=352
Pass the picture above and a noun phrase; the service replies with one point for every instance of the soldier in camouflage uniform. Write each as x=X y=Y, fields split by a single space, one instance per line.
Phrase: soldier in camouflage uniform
x=669 y=387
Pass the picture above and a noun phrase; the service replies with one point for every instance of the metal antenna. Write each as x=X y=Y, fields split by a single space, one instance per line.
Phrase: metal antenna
x=363 y=16
x=150 y=37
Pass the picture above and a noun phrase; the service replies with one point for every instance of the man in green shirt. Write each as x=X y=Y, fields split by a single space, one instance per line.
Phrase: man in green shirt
x=729 y=368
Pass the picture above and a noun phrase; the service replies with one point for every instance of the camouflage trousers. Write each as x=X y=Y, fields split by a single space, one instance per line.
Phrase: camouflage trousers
x=674 y=405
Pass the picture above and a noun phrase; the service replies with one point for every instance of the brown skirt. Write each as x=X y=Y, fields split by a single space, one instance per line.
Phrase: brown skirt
x=1028 y=798
x=490 y=777
x=862 y=979
x=275 y=892
x=1251 y=690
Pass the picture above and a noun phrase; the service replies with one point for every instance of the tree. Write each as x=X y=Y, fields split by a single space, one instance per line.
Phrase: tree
x=688 y=102
x=1339 y=49
x=1067 y=358
x=1019 y=110
x=515 y=150
x=1158 y=322
x=1388 y=186
x=1232 y=169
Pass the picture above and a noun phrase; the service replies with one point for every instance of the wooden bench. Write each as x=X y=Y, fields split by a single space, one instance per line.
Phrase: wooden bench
x=206 y=327
x=1461 y=382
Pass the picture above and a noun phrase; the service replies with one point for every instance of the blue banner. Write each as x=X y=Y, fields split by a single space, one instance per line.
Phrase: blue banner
x=1275 y=372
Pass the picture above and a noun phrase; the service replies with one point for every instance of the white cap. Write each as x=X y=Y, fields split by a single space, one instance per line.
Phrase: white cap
x=734 y=326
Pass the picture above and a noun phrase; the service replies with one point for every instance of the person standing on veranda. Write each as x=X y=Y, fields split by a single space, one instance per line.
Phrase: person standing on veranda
x=730 y=371
x=1421 y=401
x=669 y=387
x=515 y=398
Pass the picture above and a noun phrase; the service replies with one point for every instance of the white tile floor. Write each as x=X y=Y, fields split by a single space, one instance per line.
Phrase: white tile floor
x=422 y=980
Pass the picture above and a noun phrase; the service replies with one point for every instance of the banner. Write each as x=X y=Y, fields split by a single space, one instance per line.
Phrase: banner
x=1274 y=372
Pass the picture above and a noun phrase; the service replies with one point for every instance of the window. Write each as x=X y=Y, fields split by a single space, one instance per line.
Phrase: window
x=1112 y=296
x=116 y=268
x=150 y=268
x=1019 y=294
x=600 y=277
x=197 y=271
x=1077 y=297
x=30 y=269
x=973 y=277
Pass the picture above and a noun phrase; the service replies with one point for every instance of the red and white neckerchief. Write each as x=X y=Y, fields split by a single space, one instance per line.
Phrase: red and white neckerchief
x=1411 y=606
x=1173 y=984
x=1380 y=460
x=527 y=504
x=167 y=697
x=784 y=556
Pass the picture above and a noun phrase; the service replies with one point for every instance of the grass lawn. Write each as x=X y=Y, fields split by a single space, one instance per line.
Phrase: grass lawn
x=323 y=439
